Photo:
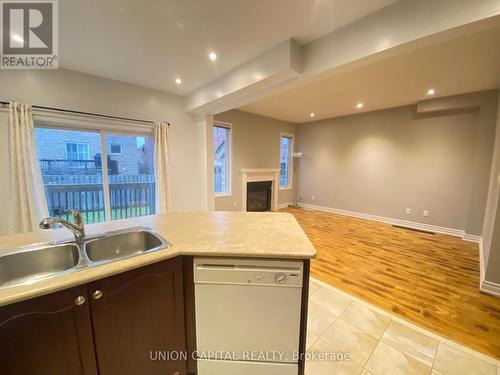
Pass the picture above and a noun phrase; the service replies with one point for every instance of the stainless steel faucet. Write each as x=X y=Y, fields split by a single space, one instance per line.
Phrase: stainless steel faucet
x=77 y=227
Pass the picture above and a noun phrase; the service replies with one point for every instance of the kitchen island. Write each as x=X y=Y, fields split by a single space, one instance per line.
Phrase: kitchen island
x=107 y=309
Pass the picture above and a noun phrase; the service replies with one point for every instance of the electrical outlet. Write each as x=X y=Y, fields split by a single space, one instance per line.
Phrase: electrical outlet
x=426 y=213
x=313 y=197
x=234 y=204
x=408 y=211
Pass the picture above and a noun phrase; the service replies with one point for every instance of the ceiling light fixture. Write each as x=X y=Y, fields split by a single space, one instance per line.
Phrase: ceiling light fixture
x=178 y=81
x=312 y=114
x=359 y=105
x=212 y=56
x=431 y=92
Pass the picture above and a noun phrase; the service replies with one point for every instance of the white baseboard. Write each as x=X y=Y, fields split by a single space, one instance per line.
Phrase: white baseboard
x=284 y=205
x=471 y=238
x=490 y=288
x=404 y=223
x=484 y=285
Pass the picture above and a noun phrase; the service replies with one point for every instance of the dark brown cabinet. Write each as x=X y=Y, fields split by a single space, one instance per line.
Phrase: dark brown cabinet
x=140 y=312
x=48 y=335
x=123 y=322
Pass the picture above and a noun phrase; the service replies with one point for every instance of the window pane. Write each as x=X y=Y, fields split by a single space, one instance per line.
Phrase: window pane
x=71 y=151
x=131 y=175
x=83 y=151
x=221 y=159
x=115 y=149
x=70 y=162
x=285 y=152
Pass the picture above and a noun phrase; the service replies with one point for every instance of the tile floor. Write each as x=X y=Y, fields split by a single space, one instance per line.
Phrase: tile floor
x=379 y=342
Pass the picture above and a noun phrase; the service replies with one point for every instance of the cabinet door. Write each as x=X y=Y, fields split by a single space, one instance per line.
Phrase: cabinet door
x=48 y=335
x=137 y=314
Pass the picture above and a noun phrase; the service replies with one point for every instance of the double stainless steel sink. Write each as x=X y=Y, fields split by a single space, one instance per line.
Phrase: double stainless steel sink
x=30 y=264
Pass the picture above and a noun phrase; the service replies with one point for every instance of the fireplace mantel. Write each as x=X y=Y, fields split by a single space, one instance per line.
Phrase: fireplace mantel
x=260 y=174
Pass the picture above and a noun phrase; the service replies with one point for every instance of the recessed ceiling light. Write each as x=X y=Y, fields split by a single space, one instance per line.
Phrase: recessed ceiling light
x=178 y=81
x=359 y=105
x=212 y=56
x=431 y=92
x=312 y=114
x=17 y=38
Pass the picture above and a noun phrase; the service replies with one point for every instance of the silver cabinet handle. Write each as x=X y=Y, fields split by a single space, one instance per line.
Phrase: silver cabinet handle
x=97 y=294
x=80 y=300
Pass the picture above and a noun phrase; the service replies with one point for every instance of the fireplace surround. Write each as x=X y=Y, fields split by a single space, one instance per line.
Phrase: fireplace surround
x=260 y=175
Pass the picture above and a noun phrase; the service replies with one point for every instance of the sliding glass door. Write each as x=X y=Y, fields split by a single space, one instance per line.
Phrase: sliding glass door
x=71 y=166
x=131 y=175
x=104 y=175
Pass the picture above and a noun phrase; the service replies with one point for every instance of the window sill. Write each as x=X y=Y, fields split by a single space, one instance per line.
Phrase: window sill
x=286 y=188
x=226 y=195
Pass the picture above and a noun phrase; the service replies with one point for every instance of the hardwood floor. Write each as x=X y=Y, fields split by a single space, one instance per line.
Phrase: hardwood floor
x=430 y=280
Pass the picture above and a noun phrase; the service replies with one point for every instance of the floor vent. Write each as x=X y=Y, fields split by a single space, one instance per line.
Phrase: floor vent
x=413 y=229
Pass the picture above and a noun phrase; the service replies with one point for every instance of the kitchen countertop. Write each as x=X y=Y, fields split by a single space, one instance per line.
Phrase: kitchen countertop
x=222 y=234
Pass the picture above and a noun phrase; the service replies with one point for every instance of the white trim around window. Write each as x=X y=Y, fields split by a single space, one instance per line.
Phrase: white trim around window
x=57 y=120
x=290 y=161
x=229 y=126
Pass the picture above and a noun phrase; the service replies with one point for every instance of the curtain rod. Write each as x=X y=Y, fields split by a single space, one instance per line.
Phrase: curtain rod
x=87 y=113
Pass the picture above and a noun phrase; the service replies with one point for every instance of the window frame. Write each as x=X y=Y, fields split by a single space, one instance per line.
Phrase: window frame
x=229 y=126
x=115 y=153
x=56 y=120
x=290 y=161
x=77 y=144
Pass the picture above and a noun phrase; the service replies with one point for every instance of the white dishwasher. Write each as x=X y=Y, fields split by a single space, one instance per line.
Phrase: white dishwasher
x=247 y=316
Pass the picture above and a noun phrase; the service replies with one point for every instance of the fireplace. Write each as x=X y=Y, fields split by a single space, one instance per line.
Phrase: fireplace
x=259 y=195
x=267 y=180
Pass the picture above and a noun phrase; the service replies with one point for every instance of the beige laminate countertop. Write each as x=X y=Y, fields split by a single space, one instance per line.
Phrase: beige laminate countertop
x=227 y=234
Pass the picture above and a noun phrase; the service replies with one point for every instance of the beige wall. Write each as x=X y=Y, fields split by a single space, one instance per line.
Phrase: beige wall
x=491 y=231
x=486 y=102
x=383 y=162
x=76 y=91
x=256 y=144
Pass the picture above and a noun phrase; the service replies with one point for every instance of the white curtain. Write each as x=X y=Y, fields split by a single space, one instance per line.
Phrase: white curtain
x=27 y=204
x=161 y=167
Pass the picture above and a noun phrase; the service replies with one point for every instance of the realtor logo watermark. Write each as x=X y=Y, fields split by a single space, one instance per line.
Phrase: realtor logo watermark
x=29 y=34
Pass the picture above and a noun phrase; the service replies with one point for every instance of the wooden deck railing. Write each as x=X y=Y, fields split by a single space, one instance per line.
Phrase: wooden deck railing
x=51 y=166
x=129 y=199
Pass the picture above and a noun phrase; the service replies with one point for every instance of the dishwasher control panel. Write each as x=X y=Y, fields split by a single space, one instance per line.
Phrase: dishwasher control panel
x=248 y=271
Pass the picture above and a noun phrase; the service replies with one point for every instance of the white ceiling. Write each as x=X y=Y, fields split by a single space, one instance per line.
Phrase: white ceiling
x=151 y=42
x=465 y=64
